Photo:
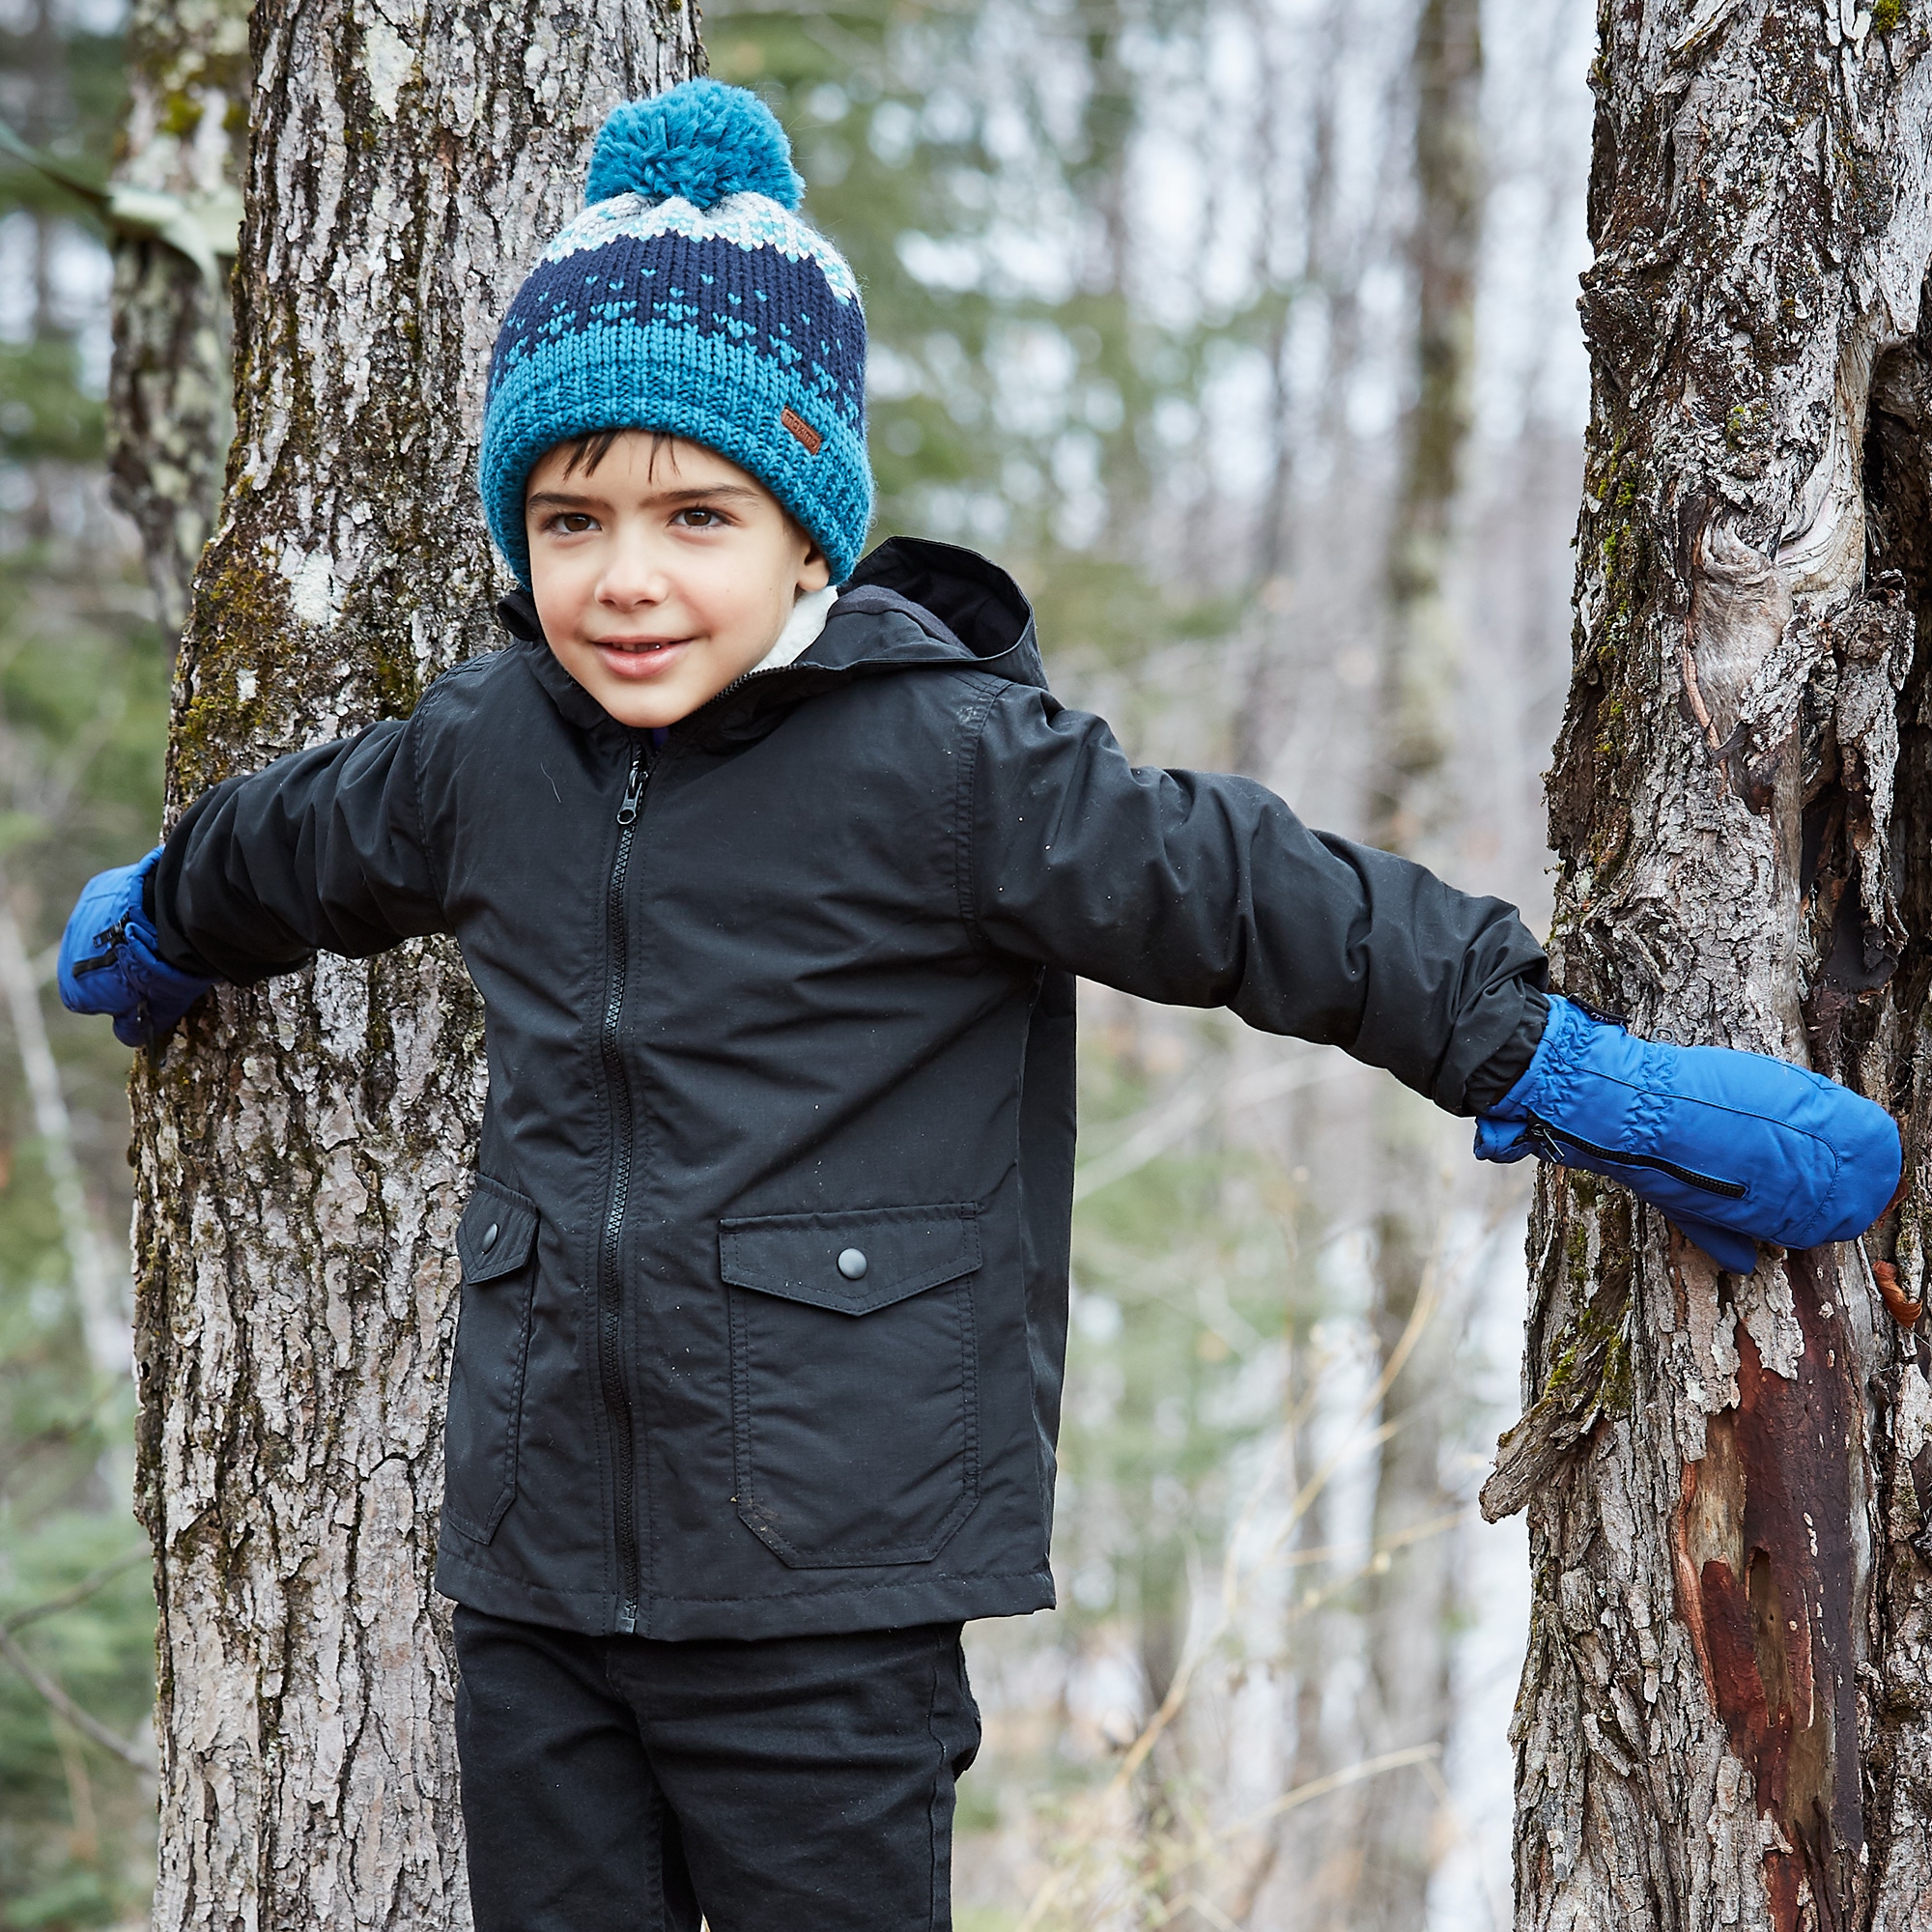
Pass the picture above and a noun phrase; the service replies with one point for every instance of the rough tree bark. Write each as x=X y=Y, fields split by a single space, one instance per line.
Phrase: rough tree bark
x=303 y=1149
x=1726 y=1711
x=1410 y=1601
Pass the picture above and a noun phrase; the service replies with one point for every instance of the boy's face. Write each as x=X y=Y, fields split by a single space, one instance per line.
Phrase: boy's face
x=663 y=574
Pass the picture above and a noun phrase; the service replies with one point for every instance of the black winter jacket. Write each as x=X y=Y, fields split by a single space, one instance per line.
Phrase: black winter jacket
x=764 y=1275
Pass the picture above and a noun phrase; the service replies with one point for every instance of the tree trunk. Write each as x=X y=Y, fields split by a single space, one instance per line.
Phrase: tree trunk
x=1411 y=1594
x=168 y=415
x=1258 y=727
x=303 y=1148
x=1726 y=1710
x=1415 y=695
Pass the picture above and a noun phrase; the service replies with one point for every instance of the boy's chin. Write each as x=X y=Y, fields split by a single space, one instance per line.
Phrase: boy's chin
x=644 y=702
x=637 y=712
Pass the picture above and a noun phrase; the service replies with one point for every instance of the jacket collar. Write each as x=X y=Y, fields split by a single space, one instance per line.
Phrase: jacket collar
x=518 y=615
x=911 y=602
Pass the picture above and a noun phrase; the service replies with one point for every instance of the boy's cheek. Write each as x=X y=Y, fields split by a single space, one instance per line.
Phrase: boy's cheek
x=558 y=600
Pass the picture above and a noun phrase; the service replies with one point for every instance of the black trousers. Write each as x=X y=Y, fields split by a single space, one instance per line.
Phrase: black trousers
x=787 y=1784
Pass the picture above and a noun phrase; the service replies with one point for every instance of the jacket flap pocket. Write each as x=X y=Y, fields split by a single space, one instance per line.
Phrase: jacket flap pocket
x=496 y=1232
x=851 y=1263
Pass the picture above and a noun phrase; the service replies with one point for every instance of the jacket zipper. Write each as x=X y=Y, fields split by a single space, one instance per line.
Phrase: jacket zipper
x=610 y=1268
x=746 y=677
x=1547 y=1136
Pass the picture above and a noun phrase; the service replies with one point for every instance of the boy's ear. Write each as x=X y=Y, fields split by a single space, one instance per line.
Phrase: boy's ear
x=814 y=573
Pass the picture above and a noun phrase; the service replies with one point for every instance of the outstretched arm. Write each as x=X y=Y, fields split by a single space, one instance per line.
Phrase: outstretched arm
x=1198 y=889
x=322 y=851
x=1203 y=890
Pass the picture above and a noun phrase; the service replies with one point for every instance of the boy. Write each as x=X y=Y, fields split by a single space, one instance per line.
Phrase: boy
x=775 y=895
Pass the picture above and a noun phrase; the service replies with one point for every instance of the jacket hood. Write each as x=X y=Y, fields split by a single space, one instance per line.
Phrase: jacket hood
x=910 y=604
x=961 y=601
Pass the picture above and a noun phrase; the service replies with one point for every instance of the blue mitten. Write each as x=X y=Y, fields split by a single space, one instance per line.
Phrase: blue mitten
x=1734 y=1147
x=110 y=961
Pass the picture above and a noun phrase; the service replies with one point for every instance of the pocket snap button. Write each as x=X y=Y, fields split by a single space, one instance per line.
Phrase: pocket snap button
x=852 y=1264
x=489 y=1235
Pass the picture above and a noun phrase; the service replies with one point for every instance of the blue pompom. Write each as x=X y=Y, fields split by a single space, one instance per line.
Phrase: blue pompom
x=702 y=140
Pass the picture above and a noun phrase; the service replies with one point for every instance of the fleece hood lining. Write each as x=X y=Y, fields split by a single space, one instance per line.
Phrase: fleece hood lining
x=801 y=630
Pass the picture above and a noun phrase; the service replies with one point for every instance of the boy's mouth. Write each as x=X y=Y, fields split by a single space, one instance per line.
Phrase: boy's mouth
x=640 y=658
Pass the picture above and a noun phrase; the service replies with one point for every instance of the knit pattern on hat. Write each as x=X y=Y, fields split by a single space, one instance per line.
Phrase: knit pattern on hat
x=688 y=297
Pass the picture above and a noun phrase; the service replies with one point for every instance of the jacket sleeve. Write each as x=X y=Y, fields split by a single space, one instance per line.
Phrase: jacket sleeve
x=323 y=851
x=1196 y=888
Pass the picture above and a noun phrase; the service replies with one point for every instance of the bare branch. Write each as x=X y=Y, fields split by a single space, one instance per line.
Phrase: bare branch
x=79 y=1594
x=57 y=1699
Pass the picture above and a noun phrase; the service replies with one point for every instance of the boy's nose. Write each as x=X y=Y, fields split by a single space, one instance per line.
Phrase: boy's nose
x=633 y=578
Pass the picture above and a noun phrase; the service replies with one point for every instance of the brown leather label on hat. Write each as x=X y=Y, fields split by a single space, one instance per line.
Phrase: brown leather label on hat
x=803 y=430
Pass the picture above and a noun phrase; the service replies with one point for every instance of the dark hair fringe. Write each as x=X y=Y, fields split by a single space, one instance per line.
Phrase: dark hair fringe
x=588 y=450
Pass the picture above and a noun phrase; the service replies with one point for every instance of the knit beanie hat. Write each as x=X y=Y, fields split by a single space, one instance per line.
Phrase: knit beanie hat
x=690 y=298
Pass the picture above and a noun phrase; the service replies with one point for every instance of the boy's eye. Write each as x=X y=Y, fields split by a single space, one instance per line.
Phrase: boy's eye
x=697 y=517
x=573 y=522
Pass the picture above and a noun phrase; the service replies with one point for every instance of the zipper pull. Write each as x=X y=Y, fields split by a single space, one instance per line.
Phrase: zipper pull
x=634 y=791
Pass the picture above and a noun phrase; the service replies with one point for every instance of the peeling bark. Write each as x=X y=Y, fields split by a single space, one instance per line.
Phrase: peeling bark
x=1724 y=1713
x=303 y=1149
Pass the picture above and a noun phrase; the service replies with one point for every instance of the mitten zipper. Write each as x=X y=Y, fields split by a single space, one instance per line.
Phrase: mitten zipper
x=113 y=939
x=1603 y=1014
x=1545 y=1136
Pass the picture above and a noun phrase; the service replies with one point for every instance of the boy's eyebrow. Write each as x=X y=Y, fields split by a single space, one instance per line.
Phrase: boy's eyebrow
x=691 y=494
x=560 y=497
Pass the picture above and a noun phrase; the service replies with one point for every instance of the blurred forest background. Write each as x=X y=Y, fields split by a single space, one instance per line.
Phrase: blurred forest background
x=1243 y=333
